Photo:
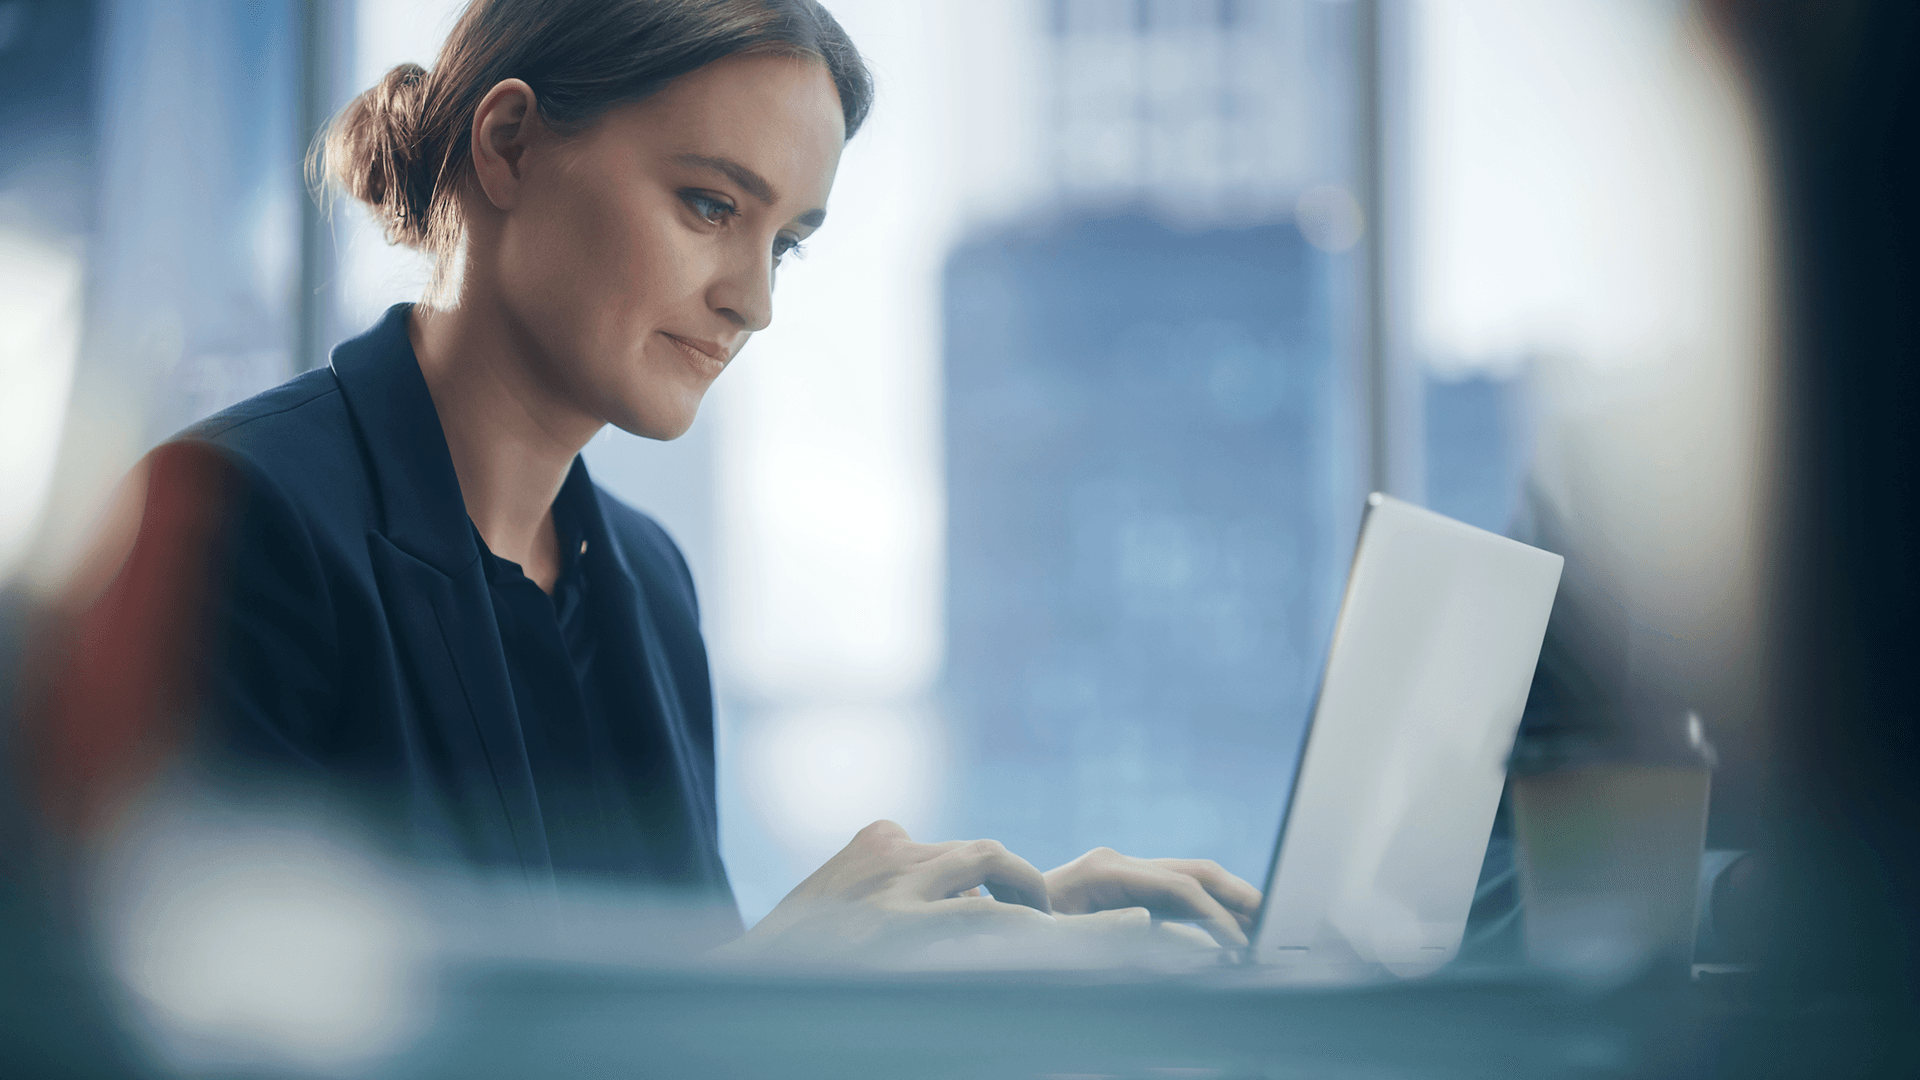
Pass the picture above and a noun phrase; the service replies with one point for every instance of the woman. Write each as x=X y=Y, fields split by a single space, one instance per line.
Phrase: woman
x=434 y=613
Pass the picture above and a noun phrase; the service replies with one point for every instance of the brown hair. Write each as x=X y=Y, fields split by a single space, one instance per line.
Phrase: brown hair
x=402 y=147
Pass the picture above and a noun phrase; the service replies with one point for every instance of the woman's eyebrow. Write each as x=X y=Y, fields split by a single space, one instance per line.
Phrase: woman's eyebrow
x=752 y=182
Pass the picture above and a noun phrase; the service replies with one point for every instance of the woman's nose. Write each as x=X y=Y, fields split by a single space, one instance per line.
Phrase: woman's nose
x=743 y=293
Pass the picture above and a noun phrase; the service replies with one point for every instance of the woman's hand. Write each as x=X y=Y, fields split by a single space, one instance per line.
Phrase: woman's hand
x=1196 y=889
x=884 y=894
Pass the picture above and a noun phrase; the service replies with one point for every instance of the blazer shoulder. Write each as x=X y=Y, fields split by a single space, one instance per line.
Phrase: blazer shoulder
x=299 y=437
x=271 y=412
x=648 y=548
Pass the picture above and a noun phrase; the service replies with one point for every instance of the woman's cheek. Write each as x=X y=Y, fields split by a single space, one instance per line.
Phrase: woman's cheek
x=547 y=262
x=657 y=261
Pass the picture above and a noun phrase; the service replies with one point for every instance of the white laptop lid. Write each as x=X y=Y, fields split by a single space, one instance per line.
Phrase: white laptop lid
x=1405 y=755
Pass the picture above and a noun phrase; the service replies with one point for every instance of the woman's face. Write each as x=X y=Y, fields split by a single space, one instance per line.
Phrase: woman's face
x=636 y=258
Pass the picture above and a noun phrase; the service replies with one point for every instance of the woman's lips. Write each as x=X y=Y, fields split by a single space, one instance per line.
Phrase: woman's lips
x=709 y=356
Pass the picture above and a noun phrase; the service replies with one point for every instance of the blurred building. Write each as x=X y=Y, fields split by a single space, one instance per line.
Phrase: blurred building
x=1153 y=457
x=1477 y=445
x=1148 y=454
x=1205 y=110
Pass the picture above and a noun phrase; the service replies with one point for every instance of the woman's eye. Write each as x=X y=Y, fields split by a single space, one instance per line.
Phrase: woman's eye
x=711 y=210
x=785 y=246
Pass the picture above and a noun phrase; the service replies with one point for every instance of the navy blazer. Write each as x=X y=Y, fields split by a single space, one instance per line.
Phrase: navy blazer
x=359 y=648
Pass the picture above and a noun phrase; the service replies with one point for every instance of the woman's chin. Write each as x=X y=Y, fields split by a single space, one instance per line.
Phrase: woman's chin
x=662 y=424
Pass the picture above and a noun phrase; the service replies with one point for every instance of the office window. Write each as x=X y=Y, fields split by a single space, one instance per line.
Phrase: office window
x=1152 y=451
x=1477 y=442
x=161 y=197
x=199 y=223
x=46 y=204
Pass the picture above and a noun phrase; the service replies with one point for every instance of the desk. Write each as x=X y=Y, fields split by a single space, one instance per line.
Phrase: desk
x=533 y=1020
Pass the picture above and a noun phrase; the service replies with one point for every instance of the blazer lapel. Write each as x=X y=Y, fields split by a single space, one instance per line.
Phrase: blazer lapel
x=472 y=745
x=435 y=592
x=648 y=681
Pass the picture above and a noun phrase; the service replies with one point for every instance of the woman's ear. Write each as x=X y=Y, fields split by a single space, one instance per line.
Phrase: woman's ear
x=504 y=126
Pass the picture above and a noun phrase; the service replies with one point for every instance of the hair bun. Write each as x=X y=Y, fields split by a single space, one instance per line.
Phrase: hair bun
x=373 y=150
x=405 y=147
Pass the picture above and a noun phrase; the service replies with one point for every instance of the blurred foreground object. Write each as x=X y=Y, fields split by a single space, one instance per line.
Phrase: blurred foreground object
x=1841 y=95
x=102 y=689
x=115 y=673
x=1609 y=849
x=247 y=939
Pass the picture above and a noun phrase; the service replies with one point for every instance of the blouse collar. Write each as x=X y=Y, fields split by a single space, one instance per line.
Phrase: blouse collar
x=419 y=494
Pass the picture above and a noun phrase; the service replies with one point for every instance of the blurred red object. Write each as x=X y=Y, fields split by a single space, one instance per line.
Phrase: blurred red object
x=115 y=669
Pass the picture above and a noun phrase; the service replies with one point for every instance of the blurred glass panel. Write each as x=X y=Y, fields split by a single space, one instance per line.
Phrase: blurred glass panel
x=46 y=206
x=198 y=239
x=1479 y=445
x=192 y=195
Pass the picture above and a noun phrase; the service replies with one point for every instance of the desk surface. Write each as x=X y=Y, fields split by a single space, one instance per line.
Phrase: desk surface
x=532 y=1020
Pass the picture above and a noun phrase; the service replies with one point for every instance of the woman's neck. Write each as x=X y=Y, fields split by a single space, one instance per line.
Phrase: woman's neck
x=511 y=437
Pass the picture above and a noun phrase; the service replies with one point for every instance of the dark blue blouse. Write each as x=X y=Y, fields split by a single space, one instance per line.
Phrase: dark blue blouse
x=561 y=697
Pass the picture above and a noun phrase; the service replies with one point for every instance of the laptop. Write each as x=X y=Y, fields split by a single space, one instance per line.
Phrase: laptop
x=1404 y=756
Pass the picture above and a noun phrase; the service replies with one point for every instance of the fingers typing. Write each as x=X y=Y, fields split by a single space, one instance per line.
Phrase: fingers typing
x=1007 y=876
x=1232 y=892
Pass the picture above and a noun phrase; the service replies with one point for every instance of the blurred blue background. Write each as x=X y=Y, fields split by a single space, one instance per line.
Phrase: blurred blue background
x=1149 y=476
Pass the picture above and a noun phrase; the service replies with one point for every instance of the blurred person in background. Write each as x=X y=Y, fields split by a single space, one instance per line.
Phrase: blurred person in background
x=431 y=616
